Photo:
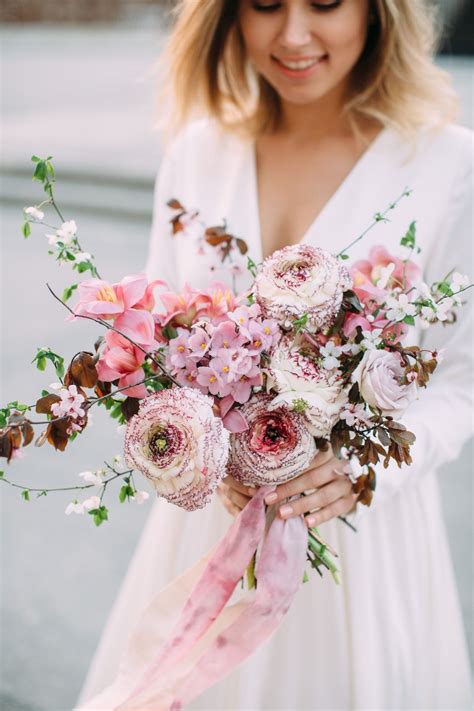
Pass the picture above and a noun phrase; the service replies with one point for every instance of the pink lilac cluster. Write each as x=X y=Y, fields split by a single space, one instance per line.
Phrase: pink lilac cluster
x=222 y=356
x=128 y=306
x=276 y=446
x=375 y=280
x=178 y=443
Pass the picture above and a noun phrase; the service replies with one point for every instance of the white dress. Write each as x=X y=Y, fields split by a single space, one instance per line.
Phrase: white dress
x=391 y=635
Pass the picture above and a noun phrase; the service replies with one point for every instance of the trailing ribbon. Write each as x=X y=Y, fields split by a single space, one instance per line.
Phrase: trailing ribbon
x=188 y=639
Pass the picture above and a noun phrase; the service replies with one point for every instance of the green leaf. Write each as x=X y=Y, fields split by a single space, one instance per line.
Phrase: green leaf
x=409 y=239
x=410 y=320
x=42 y=493
x=35 y=159
x=99 y=515
x=68 y=292
x=41 y=363
x=26 y=229
x=2 y=473
x=343 y=256
x=301 y=322
x=305 y=577
x=26 y=495
x=40 y=171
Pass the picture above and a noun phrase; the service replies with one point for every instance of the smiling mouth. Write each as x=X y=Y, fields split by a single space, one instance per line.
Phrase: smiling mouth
x=299 y=65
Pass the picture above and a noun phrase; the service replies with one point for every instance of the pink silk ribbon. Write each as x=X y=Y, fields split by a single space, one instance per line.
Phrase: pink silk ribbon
x=188 y=639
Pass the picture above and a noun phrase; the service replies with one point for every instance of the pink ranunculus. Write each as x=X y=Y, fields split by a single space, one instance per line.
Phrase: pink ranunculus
x=276 y=447
x=379 y=376
x=178 y=443
x=302 y=280
x=122 y=361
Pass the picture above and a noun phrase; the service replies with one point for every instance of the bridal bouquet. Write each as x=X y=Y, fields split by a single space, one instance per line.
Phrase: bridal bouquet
x=211 y=382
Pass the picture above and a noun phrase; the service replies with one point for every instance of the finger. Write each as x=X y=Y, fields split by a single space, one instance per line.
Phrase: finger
x=325 y=496
x=338 y=508
x=231 y=508
x=238 y=486
x=322 y=457
x=310 y=479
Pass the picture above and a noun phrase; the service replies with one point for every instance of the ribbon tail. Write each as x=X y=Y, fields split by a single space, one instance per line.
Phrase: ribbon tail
x=244 y=627
x=208 y=585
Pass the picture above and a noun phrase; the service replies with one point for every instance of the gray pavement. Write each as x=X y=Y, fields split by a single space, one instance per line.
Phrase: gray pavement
x=86 y=97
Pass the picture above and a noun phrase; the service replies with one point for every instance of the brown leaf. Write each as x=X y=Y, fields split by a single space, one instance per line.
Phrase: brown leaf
x=27 y=432
x=39 y=441
x=6 y=448
x=57 y=433
x=242 y=245
x=130 y=407
x=82 y=371
x=176 y=224
x=383 y=436
x=101 y=389
x=404 y=439
x=175 y=204
x=216 y=240
x=43 y=405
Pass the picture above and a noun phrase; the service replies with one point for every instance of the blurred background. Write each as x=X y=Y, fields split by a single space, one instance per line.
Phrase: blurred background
x=79 y=83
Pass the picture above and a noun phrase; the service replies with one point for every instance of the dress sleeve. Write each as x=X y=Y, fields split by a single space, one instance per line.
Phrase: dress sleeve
x=161 y=257
x=441 y=418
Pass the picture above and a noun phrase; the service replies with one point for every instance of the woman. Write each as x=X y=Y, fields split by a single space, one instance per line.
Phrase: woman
x=314 y=116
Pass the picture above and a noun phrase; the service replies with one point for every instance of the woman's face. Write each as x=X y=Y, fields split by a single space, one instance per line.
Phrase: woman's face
x=304 y=49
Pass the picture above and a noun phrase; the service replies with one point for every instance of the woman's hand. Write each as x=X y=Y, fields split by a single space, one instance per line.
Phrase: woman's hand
x=334 y=495
x=234 y=495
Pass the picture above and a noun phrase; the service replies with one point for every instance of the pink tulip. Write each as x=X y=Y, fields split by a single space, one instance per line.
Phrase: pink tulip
x=122 y=361
x=183 y=308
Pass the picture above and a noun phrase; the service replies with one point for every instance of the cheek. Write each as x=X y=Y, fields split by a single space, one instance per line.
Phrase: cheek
x=345 y=39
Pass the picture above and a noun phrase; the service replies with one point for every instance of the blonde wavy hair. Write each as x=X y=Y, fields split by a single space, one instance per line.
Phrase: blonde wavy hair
x=395 y=81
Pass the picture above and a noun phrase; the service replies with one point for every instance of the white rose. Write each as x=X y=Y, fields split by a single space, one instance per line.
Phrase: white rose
x=378 y=375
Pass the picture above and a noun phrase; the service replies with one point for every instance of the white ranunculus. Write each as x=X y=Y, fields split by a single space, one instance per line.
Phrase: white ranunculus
x=379 y=377
x=303 y=385
x=178 y=443
x=302 y=280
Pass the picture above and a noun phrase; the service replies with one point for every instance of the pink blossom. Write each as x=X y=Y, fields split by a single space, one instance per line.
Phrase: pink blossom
x=122 y=361
x=122 y=303
x=220 y=301
x=199 y=342
x=225 y=336
x=179 y=350
x=367 y=272
x=71 y=404
x=242 y=389
x=183 y=308
x=210 y=378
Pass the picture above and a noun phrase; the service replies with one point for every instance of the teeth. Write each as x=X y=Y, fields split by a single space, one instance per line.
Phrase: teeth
x=304 y=64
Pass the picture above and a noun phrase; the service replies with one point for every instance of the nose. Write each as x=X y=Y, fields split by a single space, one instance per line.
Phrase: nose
x=296 y=31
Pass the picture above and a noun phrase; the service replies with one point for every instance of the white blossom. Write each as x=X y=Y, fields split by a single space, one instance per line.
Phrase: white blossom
x=399 y=307
x=92 y=503
x=140 y=496
x=74 y=507
x=34 y=213
x=67 y=232
x=354 y=414
x=82 y=257
x=331 y=353
x=459 y=281
x=385 y=274
x=372 y=339
x=92 y=477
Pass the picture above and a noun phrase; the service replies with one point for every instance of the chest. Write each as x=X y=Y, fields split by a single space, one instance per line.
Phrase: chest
x=295 y=184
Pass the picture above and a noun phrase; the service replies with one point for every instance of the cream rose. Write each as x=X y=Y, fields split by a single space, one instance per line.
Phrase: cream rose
x=176 y=441
x=299 y=280
x=379 y=377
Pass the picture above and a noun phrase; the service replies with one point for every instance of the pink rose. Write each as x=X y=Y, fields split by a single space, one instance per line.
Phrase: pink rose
x=276 y=446
x=178 y=443
x=379 y=376
x=299 y=280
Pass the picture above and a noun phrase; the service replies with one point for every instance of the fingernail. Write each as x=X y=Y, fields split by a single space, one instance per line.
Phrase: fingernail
x=271 y=498
x=286 y=511
x=311 y=521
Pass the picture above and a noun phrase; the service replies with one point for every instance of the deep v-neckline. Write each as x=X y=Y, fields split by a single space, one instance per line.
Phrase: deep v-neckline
x=328 y=205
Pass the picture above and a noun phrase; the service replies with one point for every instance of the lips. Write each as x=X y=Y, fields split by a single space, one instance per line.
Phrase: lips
x=298 y=67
